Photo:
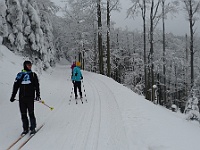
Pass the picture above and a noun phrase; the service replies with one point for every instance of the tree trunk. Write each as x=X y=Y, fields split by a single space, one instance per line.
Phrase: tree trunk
x=83 y=57
x=191 y=44
x=151 y=50
x=108 y=39
x=192 y=7
x=95 y=48
x=144 y=36
x=186 y=68
x=100 y=47
x=164 y=53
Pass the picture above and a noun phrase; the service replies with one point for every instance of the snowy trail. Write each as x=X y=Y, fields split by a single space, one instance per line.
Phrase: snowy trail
x=93 y=125
x=115 y=118
x=112 y=123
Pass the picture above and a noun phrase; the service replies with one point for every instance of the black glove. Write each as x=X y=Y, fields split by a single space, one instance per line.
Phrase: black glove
x=37 y=98
x=12 y=99
x=81 y=77
x=73 y=81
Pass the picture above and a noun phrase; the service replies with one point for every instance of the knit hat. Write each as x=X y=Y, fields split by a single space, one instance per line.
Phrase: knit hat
x=73 y=65
x=78 y=64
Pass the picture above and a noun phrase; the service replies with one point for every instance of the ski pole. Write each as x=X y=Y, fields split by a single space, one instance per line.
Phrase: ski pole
x=71 y=95
x=41 y=101
x=84 y=90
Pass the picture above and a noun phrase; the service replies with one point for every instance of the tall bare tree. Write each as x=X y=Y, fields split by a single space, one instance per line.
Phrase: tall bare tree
x=164 y=45
x=192 y=7
x=108 y=38
x=110 y=7
x=100 y=42
x=186 y=67
x=140 y=6
x=153 y=22
x=170 y=7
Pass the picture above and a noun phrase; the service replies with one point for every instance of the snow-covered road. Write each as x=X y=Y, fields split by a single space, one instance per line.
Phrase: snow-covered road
x=114 y=118
x=94 y=125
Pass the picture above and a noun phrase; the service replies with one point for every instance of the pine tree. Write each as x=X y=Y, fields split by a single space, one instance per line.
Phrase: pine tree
x=3 y=24
x=30 y=29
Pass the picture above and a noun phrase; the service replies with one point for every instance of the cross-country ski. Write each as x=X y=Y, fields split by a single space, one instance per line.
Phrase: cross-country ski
x=30 y=137
x=23 y=136
x=17 y=140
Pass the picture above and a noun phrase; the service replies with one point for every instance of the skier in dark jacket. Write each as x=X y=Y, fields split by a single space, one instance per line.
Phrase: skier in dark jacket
x=28 y=85
x=76 y=79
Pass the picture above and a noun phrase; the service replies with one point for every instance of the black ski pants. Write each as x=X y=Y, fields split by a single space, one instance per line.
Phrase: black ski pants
x=27 y=103
x=77 y=85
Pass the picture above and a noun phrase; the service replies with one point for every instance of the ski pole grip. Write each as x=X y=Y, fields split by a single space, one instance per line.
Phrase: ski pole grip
x=41 y=101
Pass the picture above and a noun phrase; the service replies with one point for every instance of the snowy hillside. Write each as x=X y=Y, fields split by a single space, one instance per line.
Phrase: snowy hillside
x=114 y=118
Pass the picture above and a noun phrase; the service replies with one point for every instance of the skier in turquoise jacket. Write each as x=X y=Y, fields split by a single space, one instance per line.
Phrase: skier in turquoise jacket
x=76 y=79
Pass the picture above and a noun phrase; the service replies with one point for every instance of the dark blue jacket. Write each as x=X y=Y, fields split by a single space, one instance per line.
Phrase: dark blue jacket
x=27 y=83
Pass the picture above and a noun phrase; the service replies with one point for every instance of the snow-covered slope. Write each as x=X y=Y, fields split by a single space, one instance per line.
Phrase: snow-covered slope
x=114 y=118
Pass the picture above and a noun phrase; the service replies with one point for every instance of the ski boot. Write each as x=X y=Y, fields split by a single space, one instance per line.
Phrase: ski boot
x=33 y=132
x=24 y=132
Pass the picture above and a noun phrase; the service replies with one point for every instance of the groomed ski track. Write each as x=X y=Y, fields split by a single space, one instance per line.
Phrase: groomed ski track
x=89 y=126
x=115 y=118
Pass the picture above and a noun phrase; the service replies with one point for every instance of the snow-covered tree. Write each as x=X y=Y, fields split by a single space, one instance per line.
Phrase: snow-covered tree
x=75 y=33
x=192 y=109
x=3 y=24
x=192 y=7
x=27 y=27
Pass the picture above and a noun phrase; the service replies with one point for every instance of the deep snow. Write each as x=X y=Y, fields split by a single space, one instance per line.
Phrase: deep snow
x=114 y=118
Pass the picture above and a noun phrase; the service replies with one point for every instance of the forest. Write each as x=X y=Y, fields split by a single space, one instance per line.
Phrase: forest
x=162 y=66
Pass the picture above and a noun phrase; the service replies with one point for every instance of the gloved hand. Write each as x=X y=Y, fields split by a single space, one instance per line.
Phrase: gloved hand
x=12 y=99
x=81 y=77
x=73 y=81
x=37 y=98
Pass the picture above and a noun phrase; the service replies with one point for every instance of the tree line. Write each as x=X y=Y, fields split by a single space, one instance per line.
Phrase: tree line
x=161 y=66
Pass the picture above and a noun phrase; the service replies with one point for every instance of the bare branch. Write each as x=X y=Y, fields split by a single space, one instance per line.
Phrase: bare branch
x=197 y=8
x=114 y=6
x=157 y=6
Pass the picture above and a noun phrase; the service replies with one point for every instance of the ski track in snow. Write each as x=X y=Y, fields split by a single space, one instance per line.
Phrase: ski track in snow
x=114 y=118
x=94 y=125
x=95 y=121
x=116 y=132
x=85 y=122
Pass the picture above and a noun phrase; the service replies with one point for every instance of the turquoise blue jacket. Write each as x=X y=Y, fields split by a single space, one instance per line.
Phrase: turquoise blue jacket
x=77 y=75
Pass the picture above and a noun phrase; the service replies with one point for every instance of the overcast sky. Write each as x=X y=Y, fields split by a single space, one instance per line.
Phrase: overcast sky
x=178 y=25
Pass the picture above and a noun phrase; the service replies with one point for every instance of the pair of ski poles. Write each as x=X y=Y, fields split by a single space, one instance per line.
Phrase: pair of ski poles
x=83 y=90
